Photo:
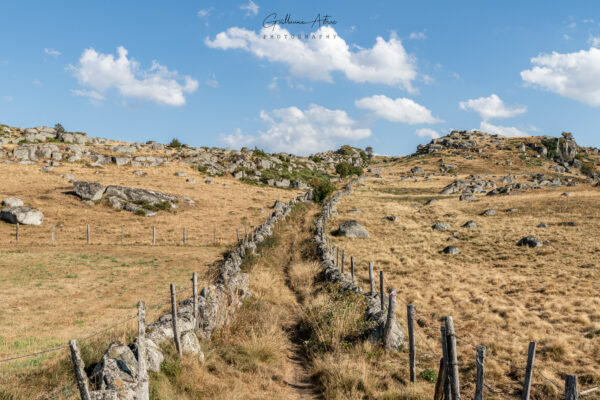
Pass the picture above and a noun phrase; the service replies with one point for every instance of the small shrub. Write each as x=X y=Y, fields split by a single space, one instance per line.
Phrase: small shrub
x=345 y=169
x=59 y=128
x=259 y=152
x=346 y=150
x=174 y=144
x=588 y=168
x=202 y=168
x=322 y=188
x=429 y=375
x=140 y=212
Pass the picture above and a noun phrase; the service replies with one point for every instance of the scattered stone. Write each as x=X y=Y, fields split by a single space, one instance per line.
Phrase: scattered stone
x=391 y=218
x=209 y=181
x=530 y=241
x=467 y=197
x=470 y=224
x=441 y=226
x=88 y=190
x=139 y=173
x=46 y=169
x=355 y=211
x=22 y=214
x=542 y=225
x=489 y=212
x=351 y=229
x=12 y=202
x=430 y=202
x=452 y=250
x=511 y=210
x=69 y=177
x=417 y=170
x=570 y=223
x=566 y=194
x=180 y=174
x=190 y=180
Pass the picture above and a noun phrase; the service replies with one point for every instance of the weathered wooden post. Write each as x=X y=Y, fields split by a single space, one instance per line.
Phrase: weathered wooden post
x=17 y=233
x=480 y=361
x=237 y=234
x=52 y=234
x=528 y=372
x=389 y=323
x=447 y=391
x=174 y=318
x=371 y=278
x=215 y=236
x=439 y=384
x=381 y=290
x=452 y=358
x=87 y=230
x=122 y=234
x=337 y=257
x=184 y=236
x=412 y=347
x=82 y=379
x=571 y=387
x=352 y=267
x=153 y=236
x=343 y=259
x=142 y=388
x=195 y=297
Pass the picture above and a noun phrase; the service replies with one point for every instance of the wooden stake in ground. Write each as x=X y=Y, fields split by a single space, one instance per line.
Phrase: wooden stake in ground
x=184 y=236
x=447 y=392
x=153 y=236
x=343 y=259
x=17 y=233
x=195 y=298
x=237 y=234
x=142 y=388
x=122 y=234
x=215 y=236
x=571 y=387
x=174 y=322
x=452 y=358
x=381 y=290
x=439 y=384
x=52 y=234
x=480 y=361
x=389 y=323
x=87 y=230
x=352 y=267
x=528 y=371
x=412 y=347
x=371 y=278
x=80 y=375
x=337 y=257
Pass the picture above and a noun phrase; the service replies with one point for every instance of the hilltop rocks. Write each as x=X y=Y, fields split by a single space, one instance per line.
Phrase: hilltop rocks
x=530 y=241
x=23 y=215
x=469 y=186
x=140 y=196
x=88 y=190
x=467 y=196
x=351 y=229
x=12 y=202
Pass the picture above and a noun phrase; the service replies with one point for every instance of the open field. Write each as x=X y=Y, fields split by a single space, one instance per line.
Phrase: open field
x=500 y=295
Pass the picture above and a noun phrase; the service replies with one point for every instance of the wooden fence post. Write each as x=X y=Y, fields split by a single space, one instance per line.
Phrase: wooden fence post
x=184 y=235
x=87 y=231
x=571 y=387
x=371 y=278
x=142 y=388
x=174 y=317
x=337 y=257
x=447 y=392
x=53 y=237
x=195 y=296
x=439 y=384
x=381 y=290
x=215 y=236
x=153 y=236
x=452 y=358
x=480 y=361
x=343 y=259
x=122 y=234
x=412 y=347
x=17 y=233
x=391 y=318
x=82 y=379
x=352 y=267
x=528 y=372
x=237 y=234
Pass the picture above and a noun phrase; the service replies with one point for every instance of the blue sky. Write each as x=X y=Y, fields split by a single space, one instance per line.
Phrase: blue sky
x=396 y=74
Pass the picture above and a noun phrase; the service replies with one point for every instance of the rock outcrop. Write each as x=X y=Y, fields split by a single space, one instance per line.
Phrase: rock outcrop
x=23 y=215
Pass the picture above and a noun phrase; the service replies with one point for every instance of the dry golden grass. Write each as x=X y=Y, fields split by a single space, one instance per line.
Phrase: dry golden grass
x=500 y=295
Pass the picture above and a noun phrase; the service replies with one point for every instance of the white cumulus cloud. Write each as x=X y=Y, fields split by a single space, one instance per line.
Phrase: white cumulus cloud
x=297 y=131
x=387 y=62
x=491 y=107
x=100 y=72
x=251 y=8
x=398 y=110
x=573 y=75
x=509 y=131
x=428 y=133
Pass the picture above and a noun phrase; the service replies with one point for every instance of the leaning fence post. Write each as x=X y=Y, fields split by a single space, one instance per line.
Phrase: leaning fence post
x=52 y=235
x=153 y=236
x=439 y=384
x=142 y=388
x=371 y=278
x=352 y=267
x=87 y=231
x=571 y=387
x=480 y=361
x=412 y=347
x=174 y=320
x=17 y=232
x=122 y=234
x=79 y=366
x=528 y=371
x=184 y=236
x=391 y=319
x=452 y=358
x=381 y=290
x=447 y=392
x=195 y=297
x=343 y=259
